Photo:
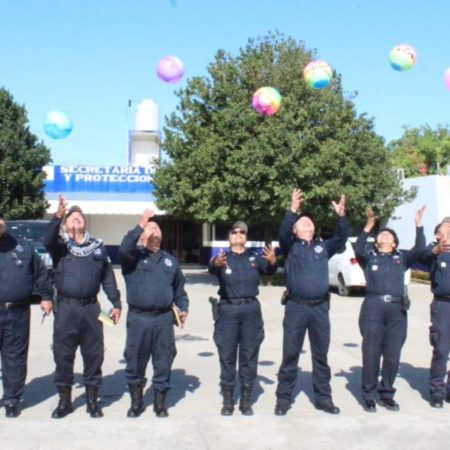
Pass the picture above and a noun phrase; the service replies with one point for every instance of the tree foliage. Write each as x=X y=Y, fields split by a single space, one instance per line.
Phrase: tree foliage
x=21 y=160
x=422 y=151
x=227 y=162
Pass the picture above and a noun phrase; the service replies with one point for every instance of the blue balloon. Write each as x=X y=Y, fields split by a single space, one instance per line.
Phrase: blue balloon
x=57 y=124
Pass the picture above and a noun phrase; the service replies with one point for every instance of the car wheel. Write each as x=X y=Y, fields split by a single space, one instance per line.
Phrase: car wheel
x=343 y=290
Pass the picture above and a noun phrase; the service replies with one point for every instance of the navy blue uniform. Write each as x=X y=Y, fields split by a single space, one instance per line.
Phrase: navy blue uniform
x=383 y=318
x=20 y=270
x=440 y=322
x=78 y=277
x=239 y=324
x=154 y=283
x=307 y=308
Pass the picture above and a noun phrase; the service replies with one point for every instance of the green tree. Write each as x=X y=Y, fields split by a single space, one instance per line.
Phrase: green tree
x=227 y=162
x=422 y=151
x=21 y=160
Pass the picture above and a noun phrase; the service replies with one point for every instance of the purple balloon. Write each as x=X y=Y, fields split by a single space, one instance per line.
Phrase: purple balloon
x=170 y=69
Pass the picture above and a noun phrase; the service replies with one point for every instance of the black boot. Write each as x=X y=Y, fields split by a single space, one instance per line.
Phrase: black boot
x=244 y=403
x=137 y=400
x=159 y=405
x=65 y=402
x=92 y=406
x=12 y=410
x=228 y=401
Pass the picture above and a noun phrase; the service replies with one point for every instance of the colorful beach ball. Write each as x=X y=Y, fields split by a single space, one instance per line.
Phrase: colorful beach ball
x=267 y=101
x=318 y=74
x=447 y=78
x=170 y=69
x=402 y=57
x=57 y=124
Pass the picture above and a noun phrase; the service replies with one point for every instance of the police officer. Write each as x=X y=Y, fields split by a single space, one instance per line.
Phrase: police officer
x=20 y=269
x=154 y=284
x=81 y=267
x=239 y=324
x=437 y=258
x=383 y=318
x=307 y=307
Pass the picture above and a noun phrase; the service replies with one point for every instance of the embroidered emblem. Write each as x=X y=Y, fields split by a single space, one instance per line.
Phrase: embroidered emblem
x=19 y=248
x=318 y=249
x=168 y=262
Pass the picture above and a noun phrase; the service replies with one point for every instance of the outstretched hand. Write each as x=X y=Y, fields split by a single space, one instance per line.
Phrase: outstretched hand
x=269 y=254
x=221 y=259
x=62 y=206
x=371 y=220
x=297 y=199
x=145 y=217
x=339 y=208
x=419 y=216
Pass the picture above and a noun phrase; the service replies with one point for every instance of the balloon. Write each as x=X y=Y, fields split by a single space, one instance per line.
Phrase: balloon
x=57 y=124
x=447 y=78
x=170 y=69
x=267 y=101
x=403 y=57
x=318 y=74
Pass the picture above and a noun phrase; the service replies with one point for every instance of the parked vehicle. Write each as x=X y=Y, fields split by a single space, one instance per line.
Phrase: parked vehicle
x=34 y=232
x=346 y=274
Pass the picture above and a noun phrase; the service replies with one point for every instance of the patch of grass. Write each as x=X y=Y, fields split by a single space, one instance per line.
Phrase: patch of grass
x=278 y=279
x=420 y=277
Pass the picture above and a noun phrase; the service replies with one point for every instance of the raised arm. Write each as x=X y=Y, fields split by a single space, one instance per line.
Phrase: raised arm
x=285 y=235
x=51 y=242
x=419 y=248
x=360 y=247
x=337 y=242
x=267 y=263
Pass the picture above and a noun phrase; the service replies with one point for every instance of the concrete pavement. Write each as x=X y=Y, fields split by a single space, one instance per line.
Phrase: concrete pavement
x=195 y=421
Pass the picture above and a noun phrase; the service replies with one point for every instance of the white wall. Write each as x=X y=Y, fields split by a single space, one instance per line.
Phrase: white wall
x=433 y=191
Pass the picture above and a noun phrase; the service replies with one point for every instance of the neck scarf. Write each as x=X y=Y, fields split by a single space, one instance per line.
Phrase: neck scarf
x=85 y=248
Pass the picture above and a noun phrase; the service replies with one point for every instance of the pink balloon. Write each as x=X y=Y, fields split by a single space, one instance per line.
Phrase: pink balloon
x=170 y=69
x=447 y=78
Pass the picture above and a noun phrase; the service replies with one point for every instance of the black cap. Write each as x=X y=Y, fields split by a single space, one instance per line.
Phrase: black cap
x=394 y=234
x=240 y=224
x=73 y=209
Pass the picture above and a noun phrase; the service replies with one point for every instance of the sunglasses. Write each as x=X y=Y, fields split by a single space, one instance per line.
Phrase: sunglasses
x=238 y=232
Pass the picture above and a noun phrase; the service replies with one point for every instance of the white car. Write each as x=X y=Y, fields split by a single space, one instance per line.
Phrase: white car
x=344 y=271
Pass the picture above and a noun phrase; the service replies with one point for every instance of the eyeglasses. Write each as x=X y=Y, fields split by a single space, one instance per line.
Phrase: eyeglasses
x=238 y=232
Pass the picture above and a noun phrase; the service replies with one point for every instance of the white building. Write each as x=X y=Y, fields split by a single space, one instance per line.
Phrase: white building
x=432 y=191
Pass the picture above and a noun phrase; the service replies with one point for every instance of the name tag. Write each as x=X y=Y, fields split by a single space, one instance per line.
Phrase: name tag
x=443 y=264
x=374 y=267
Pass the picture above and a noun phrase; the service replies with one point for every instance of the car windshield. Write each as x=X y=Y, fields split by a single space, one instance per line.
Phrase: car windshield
x=33 y=232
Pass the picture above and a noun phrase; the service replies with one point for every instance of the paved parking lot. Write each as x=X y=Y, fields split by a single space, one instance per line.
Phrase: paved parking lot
x=195 y=421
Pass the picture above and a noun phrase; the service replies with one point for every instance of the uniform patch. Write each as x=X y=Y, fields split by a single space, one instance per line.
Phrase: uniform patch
x=228 y=271
x=97 y=252
x=252 y=258
x=374 y=267
x=19 y=248
x=145 y=261
x=168 y=262
x=318 y=249
x=443 y=264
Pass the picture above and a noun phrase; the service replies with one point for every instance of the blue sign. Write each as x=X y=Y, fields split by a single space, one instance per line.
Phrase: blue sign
x=99 y=179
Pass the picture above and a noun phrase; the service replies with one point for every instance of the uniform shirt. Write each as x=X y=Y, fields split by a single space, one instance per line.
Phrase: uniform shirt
x=385 y=272
x=307 y=263
x=20 y=270
x=80 y=277
x=153 y=280
x=242 y=275
x=439 y=270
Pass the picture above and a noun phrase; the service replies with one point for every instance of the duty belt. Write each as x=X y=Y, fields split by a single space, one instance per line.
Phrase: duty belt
x=237 y=301
x=442 y=298
x=6 y=306
x=77 y=301
x=388 y=298
x=148 y=312
x=309 y=301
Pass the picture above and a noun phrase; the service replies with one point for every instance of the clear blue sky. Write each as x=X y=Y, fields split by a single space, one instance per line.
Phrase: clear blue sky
x=89 y=57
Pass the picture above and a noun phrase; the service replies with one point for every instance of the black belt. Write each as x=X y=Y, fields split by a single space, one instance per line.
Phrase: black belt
x=388 y=298
x=148 y=312
x=237 y=301
x=6 y=306
x=78 y=301
x=442 y=298
x=308 y=301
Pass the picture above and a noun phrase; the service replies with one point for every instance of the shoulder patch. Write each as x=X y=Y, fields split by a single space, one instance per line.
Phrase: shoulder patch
x=168 y=262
